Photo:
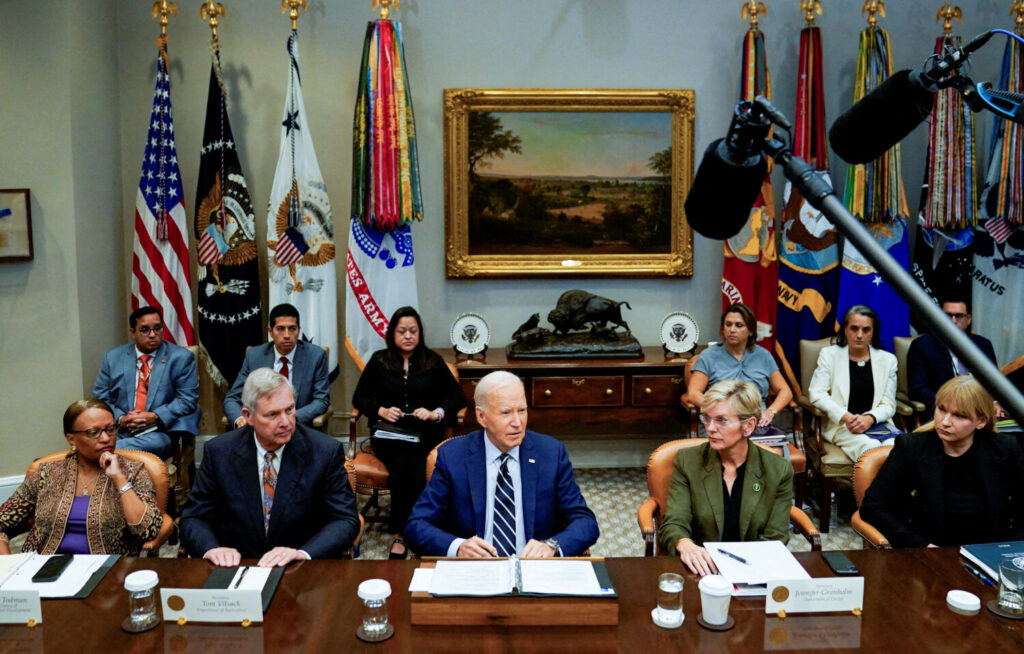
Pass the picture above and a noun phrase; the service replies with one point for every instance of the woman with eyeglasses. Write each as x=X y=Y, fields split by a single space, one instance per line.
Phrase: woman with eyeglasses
x=957 y=483
x=726 y=489
x=92 y=501
x=854 y=384
x=738 y=357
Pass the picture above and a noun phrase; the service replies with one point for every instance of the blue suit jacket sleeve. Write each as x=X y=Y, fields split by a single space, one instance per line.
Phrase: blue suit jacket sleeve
x=580 y=526
x=320 y=386
x=233 y=400
x=432 y=521
x=184 y=382
x=341 y=526
x=105 y=387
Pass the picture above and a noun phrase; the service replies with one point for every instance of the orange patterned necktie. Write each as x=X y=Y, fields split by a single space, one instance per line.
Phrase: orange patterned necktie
x=142 y=388
x=269 y=484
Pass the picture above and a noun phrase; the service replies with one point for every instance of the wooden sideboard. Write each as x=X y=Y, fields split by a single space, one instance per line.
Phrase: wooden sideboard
x=590 y=396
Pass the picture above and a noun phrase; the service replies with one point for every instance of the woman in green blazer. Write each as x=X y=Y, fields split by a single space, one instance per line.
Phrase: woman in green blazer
x=726 y=489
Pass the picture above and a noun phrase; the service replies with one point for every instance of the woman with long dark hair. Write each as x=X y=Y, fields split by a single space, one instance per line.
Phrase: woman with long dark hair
x=406 y=390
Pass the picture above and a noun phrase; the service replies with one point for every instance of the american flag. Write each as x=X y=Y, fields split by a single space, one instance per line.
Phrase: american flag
x=290 y=247
x=211 y=246
x=160 y=266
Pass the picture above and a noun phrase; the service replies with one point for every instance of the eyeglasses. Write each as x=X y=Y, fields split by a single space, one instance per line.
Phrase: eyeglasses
x=94 y=433
x=957 y=316
x=706 y=420
x=145 y=329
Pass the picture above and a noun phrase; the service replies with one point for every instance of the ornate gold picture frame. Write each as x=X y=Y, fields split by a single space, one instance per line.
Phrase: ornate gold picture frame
x=568 y=182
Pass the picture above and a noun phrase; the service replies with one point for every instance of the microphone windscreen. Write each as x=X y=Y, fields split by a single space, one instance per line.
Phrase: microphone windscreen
x=723 y=192
x=880 y=119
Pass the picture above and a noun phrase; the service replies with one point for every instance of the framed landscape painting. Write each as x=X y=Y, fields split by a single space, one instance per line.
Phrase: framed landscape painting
x=567 y=182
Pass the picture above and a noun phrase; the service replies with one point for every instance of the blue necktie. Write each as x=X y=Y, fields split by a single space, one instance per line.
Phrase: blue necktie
x=504 y=528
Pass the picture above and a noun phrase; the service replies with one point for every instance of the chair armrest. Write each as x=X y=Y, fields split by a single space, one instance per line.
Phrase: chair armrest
x=322 y=419
x=804 y=402
x=645 y=517
x=798 y=427
x=352 y=420
x=805 y=526
x=904 y=409
x=868 y=532
x=694 y=419
x=902 y=397
x=919 y=407
x=167 y=527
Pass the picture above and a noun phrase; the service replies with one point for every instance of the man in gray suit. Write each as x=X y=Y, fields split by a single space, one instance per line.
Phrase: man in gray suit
x=302 y=363
x=151 y=385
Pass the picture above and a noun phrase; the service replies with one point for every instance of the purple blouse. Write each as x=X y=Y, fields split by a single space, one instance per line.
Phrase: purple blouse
x=75 y=540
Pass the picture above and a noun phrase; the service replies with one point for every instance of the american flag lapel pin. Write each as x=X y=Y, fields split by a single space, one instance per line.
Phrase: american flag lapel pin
x=531 y=461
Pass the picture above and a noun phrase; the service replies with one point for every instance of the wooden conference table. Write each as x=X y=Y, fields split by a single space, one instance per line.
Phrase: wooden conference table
x=316 y=610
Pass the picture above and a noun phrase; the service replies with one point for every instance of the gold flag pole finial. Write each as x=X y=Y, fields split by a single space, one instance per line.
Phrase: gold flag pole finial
x=1017 y=11
x=750 y=12
x=209 y=11
x=385 y=7
x=947 y=13
x=809 y=8
x=874 y=9
x=291 y=7
x=163 y=9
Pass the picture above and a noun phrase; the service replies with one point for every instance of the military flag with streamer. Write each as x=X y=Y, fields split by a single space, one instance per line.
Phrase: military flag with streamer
x=160 y=265
x=999 y=238
x=385 y=194
x=750 y=268
x=229 y=317
x=300 y=228
x=809 y=252
x=943 y=249
x=875 y=195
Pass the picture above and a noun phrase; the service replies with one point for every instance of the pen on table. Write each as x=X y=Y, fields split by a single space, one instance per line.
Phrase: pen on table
x=238 y=582
x=733 y=556
x=979 y=574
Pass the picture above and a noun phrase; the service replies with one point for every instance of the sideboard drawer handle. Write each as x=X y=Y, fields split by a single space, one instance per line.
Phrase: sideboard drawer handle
x=647 y=391
x=547 y=392
x=608 y=391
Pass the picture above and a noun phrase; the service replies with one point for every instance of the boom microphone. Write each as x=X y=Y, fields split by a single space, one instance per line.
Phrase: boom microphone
x=881 y=119
x=729 y=177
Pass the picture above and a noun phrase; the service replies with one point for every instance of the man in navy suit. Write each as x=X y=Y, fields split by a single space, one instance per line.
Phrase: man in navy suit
x=458 y=513
x=272 y=490
x=930 y=364
x=301 y=362
x=151 y=385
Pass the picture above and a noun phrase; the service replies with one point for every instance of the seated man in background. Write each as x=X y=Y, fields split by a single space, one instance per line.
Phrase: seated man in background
x=151 y=385
x=302 y=363
x=501 y=490
x=930 y=364
x=272 y=490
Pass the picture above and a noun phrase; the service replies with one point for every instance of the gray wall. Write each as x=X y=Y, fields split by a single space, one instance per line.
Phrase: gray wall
x=78 y=90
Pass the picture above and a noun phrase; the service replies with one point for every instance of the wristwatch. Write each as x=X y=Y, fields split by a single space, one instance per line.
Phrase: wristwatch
x=553 y=544
x=124 y=489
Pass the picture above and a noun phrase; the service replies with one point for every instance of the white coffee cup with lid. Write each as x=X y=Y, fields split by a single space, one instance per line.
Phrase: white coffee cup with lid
x=715 y=593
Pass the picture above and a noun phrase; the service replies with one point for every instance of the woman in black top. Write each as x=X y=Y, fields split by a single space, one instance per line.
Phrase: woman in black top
x=409 y=386
x=956 y=485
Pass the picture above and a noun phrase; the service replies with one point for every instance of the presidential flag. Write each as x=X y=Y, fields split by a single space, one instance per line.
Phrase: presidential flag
x=809 y=244
x=160 y=266
x=943 y=250
x=750 y=269
x=875 y=195
x=229 y=318
x=300 y=227
x=386 y=195
x=998 y=272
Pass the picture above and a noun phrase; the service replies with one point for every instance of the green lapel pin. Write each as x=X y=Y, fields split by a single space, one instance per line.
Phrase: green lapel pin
x=757 y=487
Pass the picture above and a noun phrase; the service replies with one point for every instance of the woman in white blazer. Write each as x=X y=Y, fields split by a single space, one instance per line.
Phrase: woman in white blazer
x=855 y=386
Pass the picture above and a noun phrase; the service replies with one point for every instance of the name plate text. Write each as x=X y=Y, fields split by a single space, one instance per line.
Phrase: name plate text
x=20 y=606
x=211 y=604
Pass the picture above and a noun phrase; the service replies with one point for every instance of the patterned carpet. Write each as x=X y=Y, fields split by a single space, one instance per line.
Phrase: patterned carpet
x=614 y=494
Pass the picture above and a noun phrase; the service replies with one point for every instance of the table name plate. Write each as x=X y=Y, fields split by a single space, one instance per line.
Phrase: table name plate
x=20 y=606
x=211 y=605
x=821 y=595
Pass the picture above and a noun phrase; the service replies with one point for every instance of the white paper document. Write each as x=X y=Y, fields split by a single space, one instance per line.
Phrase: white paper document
x=532 y=576
x=72 y=580
x=762 y=561
x=8 y=564
x=421 y=580
x=250 y=578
